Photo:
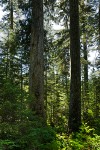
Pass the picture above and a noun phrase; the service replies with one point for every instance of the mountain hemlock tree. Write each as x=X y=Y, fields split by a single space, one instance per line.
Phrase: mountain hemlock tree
x=75 y=85
x=36 y=79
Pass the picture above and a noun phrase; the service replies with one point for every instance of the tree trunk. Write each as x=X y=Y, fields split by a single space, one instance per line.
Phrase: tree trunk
x=99 y=25
x=36 y=83
x=75 y=85
x=11 y=14
x=86 y=91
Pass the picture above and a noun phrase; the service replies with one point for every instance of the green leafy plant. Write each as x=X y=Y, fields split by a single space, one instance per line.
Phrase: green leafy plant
x=7 y=144
x=86 y=139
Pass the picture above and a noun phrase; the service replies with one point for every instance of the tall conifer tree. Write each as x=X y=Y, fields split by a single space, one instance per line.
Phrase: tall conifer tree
x=75 y=85
x=36 y=59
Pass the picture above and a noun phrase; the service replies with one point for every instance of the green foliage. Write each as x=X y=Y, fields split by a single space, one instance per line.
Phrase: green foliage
x=63 y=142
x=19 y=128
x=7 y=144
x=28 y=135
x=41 y=138
x=10 y=102
x=85 y=139
x=45 y=138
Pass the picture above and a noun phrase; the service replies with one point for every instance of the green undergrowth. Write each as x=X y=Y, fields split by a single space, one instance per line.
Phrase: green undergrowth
x=86 y=139
x=28 y=137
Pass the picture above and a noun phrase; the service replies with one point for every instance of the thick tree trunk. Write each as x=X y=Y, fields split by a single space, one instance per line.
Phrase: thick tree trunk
x=36 y=59
x=75 y=85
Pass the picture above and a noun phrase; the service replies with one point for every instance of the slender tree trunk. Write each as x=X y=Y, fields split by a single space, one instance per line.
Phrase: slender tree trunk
x=45 y=89
x=99 y=25
x=8 y=63
x=36 y=84
x=21 y=83
x=86 y=96
x=75 y=85
x=97 y=98
x=11 y=14
x=85 y=69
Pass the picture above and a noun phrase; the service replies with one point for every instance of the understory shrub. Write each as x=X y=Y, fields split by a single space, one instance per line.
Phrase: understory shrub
x=86 y=139
x=46 y=138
